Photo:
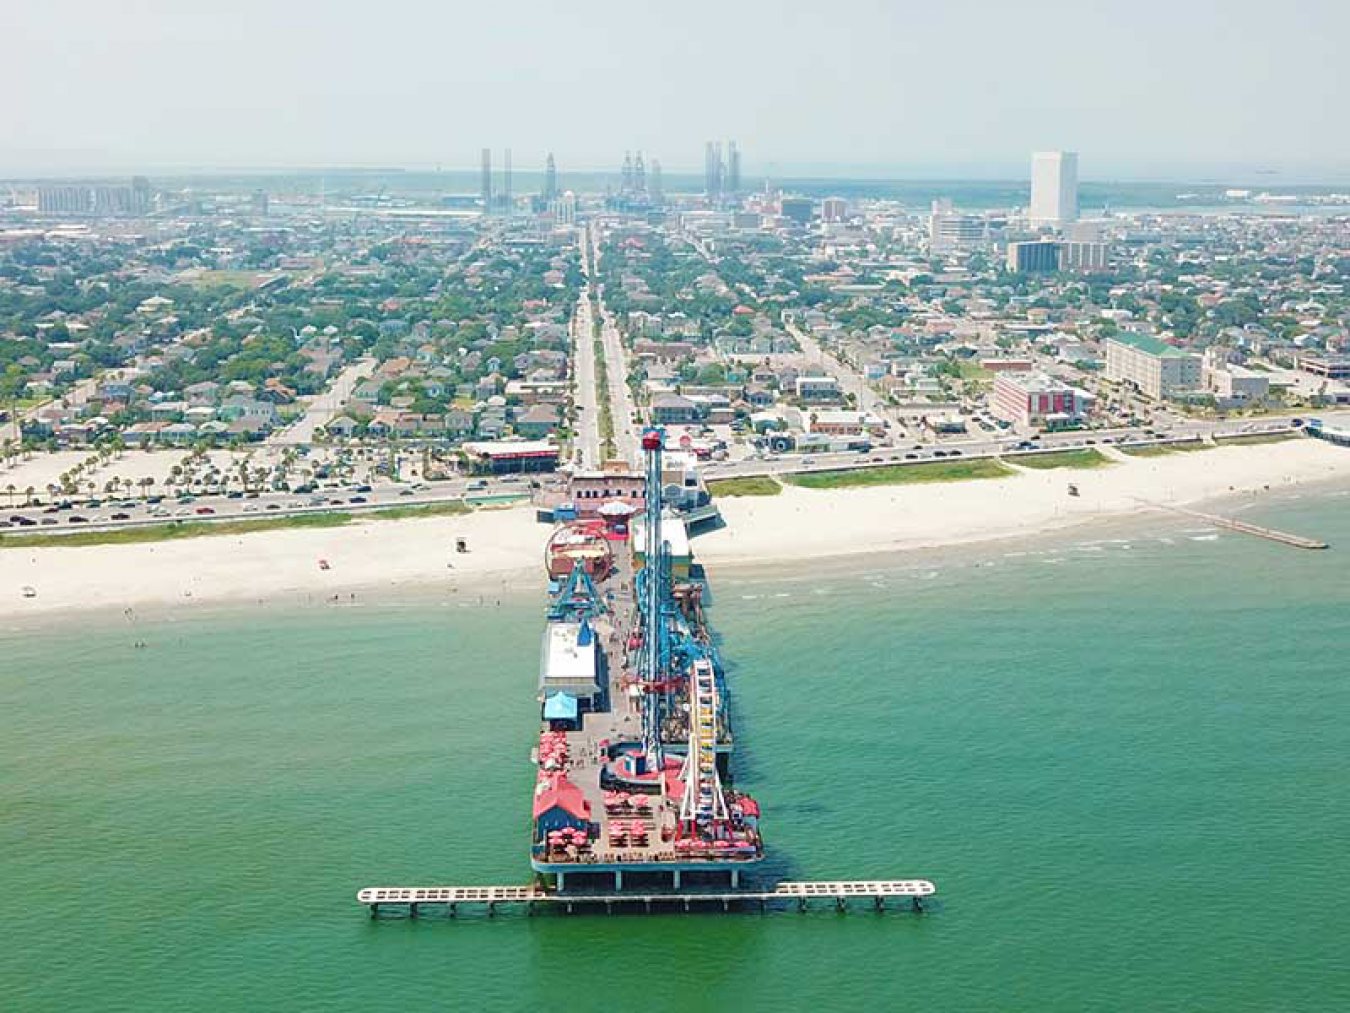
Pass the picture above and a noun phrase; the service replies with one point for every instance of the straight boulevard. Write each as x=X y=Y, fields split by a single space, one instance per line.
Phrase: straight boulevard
x=586 y=404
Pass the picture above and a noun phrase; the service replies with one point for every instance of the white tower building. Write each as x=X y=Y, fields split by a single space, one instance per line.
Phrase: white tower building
x=1054 y=188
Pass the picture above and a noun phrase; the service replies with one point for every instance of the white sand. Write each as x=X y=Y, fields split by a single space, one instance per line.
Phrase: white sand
x=805 y=523
x=506 y=546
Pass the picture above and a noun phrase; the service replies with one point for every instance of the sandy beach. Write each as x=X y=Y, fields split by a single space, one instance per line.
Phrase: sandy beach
x=506 y=545
x=810 y=524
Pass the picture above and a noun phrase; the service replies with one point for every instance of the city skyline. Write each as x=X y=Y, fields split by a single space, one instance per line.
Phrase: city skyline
x=1216 y=99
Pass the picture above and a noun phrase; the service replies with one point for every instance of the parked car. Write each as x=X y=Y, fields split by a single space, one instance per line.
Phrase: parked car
x=205 y=510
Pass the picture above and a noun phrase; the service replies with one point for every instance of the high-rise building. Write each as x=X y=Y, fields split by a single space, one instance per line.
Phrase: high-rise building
x=639 y=175
x=140 y=195
x=1033 y=257
x=1075 y=256
x=712 y=170
x=796 y=209
x=833 y=209
x=657 y=192
x=550 y=179
x=565 y=209
x=485 y=181
x=258 y=203
x=949 y=230
x=733 y=180
x=626 y=174
x=1054 y=188
x=506 y=181
x=103 y=199
x=1151 y=366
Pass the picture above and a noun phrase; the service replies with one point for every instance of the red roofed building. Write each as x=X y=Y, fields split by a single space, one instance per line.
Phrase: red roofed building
x=560 y=804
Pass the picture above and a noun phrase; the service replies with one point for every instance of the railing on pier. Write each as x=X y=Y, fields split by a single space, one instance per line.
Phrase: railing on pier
x=411 y=899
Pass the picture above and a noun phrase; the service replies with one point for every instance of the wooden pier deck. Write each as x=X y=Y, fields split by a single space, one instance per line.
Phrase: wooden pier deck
x=412 y=900
x=1231 y=524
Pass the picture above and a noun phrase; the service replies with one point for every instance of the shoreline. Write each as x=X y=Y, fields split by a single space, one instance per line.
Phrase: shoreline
x=386 y=562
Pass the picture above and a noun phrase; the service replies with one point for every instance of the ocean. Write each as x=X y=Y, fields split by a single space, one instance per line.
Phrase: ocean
x=1120 y=752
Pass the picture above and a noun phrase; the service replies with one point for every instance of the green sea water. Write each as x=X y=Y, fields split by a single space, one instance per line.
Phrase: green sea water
x=1123 y=754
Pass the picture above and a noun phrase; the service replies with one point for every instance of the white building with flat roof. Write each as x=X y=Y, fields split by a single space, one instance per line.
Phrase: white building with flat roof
x=570 y=662
x=1054 y=188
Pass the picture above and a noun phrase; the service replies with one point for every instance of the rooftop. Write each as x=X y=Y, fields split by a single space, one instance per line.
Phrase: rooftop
x=1146 y=343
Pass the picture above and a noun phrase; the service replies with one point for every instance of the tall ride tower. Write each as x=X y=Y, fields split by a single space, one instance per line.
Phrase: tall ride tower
x=653 y=633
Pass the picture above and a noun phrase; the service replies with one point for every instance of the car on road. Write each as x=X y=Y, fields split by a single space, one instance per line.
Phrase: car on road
x=911 y=457
x=273 y=506
x=205 y=510
x=24 y=522
x=121 y=516
x=252 y=508
x=362 y=488
x=77 y=519
x=50 y=520
x=405 y=492
x=357 y=499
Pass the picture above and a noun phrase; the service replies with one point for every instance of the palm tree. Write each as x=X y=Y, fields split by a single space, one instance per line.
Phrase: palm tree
x=9 y=492
x=145 y=485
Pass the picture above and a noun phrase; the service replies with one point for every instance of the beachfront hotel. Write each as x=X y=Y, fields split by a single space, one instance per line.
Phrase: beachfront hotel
x=1153 y=367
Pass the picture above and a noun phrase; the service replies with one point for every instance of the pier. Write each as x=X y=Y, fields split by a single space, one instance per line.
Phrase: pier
x=1230 y=524
x=412 y=901
x=635 y=803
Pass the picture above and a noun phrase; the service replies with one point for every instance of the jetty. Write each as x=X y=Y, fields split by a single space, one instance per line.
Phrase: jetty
x=413 y=901
x=1231 y=524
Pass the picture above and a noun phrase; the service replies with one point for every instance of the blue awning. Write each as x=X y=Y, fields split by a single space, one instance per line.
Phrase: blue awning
x=560 y=707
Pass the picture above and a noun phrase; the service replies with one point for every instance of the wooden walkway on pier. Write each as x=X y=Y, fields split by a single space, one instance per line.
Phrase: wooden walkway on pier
x=413 y=899
x=1230 y=524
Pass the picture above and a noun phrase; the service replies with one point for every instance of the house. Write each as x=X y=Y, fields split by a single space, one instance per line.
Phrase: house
x=458 y=422
x=341 y=427
x=674 y=409
x=240 y=407
x=537 y=421
x=818 y=388
x=203 y=393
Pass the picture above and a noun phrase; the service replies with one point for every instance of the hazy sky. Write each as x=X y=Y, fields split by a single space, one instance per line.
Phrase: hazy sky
x=1139 y=88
